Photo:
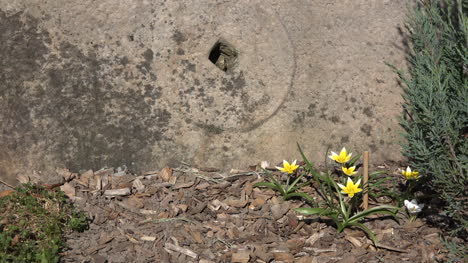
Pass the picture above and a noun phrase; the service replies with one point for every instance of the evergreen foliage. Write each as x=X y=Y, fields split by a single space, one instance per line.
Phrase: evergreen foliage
x=435 y=108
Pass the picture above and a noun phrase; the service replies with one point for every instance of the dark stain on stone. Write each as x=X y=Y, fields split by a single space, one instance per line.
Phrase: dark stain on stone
x=123 y=61
x=179 y=37
x=373 y=147
x=210 y=128
x=73 y=116
x=368 y=112
x=151 y=91
x=22 y=54
x=189 y=66
x=352 y=99
x=344 y=139
x=145 y=66
x=180 y=52
x=311 y=109
x=335 y=119
x=367 y=129
x=234 y=85
x=148 y=55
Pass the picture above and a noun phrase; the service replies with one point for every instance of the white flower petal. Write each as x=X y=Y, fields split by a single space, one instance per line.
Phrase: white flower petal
x=407 y=203
x=340 y=185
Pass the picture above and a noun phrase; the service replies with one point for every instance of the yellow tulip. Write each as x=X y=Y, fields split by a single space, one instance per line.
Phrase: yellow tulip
x=342 y=157
x=288 y=168
x=349 y=171
x=351 y=188
x=410 y=175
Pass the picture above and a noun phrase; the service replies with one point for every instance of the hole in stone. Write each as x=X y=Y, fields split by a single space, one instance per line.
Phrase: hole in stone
x=223 y=55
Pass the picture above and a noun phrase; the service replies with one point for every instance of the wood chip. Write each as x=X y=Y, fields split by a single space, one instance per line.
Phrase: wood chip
x=148 y=238
x=182 y=250
x=284 y=257
x=313 y=238
x=241 y=256
x=118 y=192
x=354 y=241
x=138 y=185
x=149 y=212
x=85 y=178
x=98 y=183
x=69 y=190
x=279 y=210
x=166 y=174
x=183 y=185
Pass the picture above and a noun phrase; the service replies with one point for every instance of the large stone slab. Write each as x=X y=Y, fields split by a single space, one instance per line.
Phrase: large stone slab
x=87 y=84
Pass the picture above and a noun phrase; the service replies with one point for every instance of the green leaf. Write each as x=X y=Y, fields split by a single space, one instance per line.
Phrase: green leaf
x=300 y=186
x=353 y=160
x=290 y=187
x=313 y=211
x=309 y=164
x=383 y=209
x=303 y=195
x=369 y=232
x=377 y=173
x=269 y=185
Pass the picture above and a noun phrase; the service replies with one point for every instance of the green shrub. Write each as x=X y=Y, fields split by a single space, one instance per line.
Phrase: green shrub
x=435 y=115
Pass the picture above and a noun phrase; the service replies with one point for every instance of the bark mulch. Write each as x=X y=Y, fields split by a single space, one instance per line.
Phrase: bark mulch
x=202 y=215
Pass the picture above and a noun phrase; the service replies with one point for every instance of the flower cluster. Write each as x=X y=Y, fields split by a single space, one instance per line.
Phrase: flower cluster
x=343 y=157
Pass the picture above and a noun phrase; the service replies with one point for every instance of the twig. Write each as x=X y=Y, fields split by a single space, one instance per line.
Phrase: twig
x=5 y=183
x=391 y=248
x=163 y=220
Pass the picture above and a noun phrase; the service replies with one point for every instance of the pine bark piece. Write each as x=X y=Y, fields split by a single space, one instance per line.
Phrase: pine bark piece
x=284 y=257
x=69 y=190
x=241 y=256
x=166 y=174
x=118 y=192
x=182 y=250
x=138 y=185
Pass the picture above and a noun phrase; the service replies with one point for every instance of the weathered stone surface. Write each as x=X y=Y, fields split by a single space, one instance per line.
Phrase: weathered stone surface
x=87 y=84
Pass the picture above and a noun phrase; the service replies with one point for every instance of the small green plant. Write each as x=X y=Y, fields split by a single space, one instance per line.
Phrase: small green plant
x=343 y=211
x=288 y=190
x=32 y=223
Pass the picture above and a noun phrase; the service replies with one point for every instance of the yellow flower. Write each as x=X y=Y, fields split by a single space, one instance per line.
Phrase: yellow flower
x=349 y=171
x=350 y=189
x=288 y=168
x=410 y=175
x=342 y=157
